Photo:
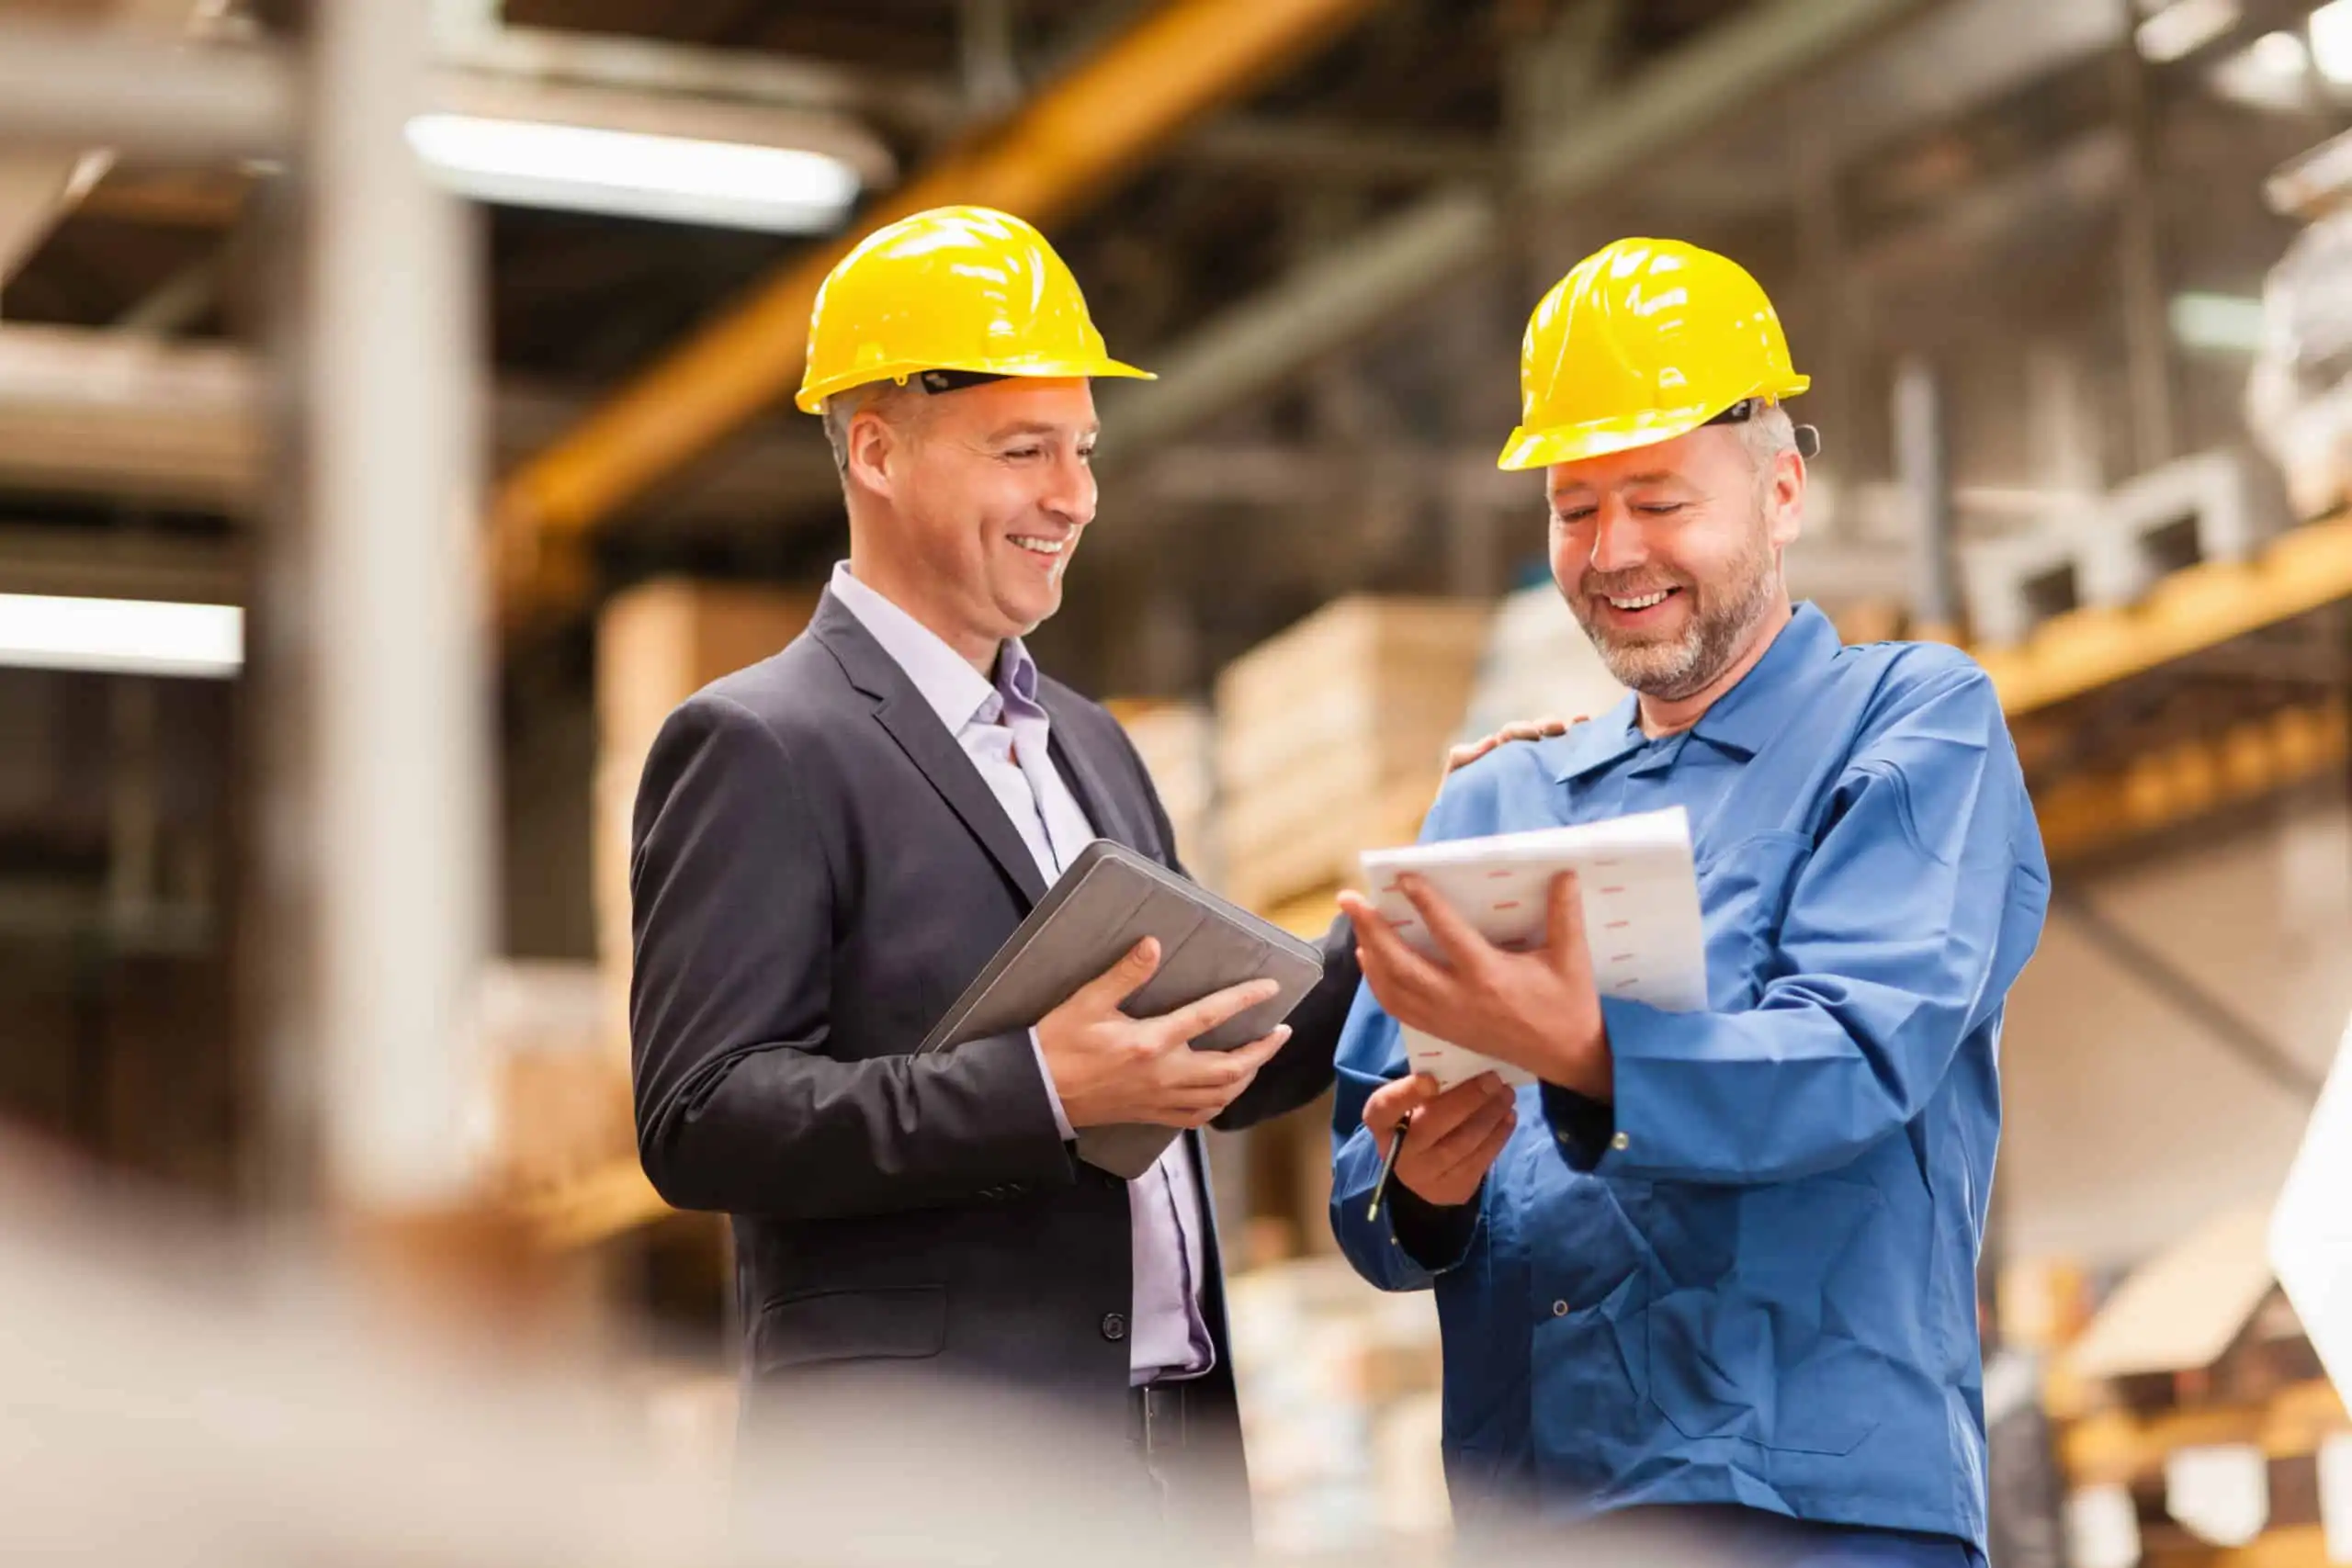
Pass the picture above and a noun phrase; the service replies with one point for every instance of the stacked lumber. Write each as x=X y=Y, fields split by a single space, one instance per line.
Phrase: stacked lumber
x=1339 y=1386
x=1331 y=737
x=657 y=644
x=1178 y=743
x=558 y=1104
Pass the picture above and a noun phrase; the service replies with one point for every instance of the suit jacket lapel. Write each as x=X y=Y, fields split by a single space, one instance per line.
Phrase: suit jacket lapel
x=1103 y=807
x=916 y=727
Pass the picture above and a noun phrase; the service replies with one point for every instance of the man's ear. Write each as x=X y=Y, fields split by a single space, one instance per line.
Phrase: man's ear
x=870 y=443
x=1784 y=499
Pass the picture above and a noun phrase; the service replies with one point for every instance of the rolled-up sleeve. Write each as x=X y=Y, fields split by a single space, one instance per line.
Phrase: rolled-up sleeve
x=1889 y=954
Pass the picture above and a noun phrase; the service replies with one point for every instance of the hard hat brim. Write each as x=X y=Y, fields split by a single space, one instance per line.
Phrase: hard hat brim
x=1544 y=447
x=811 y=397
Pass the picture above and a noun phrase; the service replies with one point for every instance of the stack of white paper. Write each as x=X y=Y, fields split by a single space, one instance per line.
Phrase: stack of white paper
x=1641 y=912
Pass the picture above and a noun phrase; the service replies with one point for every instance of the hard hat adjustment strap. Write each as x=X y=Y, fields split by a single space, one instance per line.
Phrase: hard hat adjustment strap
x=953 y=380
x=1808 y=436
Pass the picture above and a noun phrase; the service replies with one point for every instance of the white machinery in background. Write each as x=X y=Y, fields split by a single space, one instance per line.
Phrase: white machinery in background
x=2298 y=397
x=2218 y=505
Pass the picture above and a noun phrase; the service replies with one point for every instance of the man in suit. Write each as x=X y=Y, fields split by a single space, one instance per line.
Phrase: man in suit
x=829 y=845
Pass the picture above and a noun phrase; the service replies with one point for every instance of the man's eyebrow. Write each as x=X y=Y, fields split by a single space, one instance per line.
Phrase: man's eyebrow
x=1038 y=427
x=1657 y=477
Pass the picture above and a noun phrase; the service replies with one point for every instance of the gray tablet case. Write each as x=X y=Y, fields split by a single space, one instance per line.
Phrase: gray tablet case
x=1110 y=899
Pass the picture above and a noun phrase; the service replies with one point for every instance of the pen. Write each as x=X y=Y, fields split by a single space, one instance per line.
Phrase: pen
x=1380 y=1184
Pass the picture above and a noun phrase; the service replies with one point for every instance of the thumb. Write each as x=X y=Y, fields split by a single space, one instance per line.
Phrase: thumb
x=1125 y=978
x=1564 y=937
x=1393 y=1103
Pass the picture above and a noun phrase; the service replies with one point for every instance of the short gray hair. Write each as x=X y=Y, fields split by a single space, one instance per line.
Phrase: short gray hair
x=887 y=398
x=1768 y=432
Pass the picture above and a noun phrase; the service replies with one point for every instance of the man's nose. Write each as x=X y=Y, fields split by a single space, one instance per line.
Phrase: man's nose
x=1072 y=496
x=1617 y=541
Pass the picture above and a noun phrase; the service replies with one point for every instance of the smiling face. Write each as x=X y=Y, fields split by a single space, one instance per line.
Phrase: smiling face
x=1669 y=555
x=967 y=506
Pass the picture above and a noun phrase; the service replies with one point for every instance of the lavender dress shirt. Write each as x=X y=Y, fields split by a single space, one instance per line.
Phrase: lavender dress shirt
x=1004 y=732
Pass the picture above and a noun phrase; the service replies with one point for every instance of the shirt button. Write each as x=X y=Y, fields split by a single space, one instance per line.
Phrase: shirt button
x=1114 y=1325
x=1559 y=1308
x=1620 y=1142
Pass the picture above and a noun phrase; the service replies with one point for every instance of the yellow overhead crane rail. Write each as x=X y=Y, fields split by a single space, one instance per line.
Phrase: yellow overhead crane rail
x=1059 y=150
x=2196 y=608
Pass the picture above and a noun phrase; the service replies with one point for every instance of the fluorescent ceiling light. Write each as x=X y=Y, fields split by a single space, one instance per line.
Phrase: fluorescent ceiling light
x=579 y=168
x=2183 y=27
x=2272 y=72
x=2331 y=30
x=2229 y=322
x=121 y=636
x=2279 y=55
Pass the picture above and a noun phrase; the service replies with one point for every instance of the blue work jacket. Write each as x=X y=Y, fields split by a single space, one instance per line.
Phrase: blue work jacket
x=1750 y=1278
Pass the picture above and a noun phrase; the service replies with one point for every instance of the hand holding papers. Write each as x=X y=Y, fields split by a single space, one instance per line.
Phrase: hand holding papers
x=1640 y=898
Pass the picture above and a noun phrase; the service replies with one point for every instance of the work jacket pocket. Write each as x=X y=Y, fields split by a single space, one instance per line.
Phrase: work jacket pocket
x=1762 y=1298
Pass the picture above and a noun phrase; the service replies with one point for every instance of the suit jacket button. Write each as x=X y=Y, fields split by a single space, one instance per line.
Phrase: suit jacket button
x=1114 y=1325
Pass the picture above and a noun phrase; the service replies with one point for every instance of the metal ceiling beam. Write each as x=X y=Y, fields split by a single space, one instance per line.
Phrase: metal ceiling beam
x=166 y=103
x=1335 y=149
x=1351 y=292
x=1062 y=148
x=552 y=55
x=931 y=105
x=36 y=188
x=40 y=185
x=118 y=414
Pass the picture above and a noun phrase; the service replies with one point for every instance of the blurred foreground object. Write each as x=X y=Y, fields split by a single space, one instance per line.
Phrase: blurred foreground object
x=2311 y=1229
x=197 y=1396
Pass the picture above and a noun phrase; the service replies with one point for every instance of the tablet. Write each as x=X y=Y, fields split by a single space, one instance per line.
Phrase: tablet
x=1110 y=898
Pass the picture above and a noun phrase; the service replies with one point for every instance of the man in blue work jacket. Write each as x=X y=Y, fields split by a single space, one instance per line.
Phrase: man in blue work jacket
x=1714 y=1272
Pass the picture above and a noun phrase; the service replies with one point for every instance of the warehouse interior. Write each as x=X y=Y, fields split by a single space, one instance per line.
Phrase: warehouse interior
x=451 y=482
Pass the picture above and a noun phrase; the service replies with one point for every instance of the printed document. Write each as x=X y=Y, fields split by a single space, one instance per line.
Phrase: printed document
x=1641 y=912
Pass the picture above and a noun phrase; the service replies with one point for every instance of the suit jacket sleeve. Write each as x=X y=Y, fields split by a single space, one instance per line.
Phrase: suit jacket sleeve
x=741 y=1106
x=1301 y=1070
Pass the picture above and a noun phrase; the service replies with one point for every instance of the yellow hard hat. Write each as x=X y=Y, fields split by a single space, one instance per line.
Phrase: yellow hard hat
x=955 y=294
x=1643 y=340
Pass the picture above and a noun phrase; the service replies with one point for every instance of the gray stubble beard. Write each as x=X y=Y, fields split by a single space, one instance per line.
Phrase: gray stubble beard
x=1672 y=671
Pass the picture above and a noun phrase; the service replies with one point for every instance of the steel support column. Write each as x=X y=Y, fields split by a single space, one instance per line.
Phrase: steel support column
x=392 y=845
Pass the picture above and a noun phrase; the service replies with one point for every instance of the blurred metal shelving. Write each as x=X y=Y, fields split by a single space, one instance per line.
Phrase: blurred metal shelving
x=367 y=638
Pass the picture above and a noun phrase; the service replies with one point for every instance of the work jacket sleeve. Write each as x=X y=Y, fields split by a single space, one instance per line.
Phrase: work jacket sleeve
x=741 y=1104
x=1901 y=935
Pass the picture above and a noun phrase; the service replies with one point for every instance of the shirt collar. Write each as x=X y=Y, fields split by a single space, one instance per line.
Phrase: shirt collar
x=1741 y=720
x=1597 y=742
x=1751 y=713
x=950 y=686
